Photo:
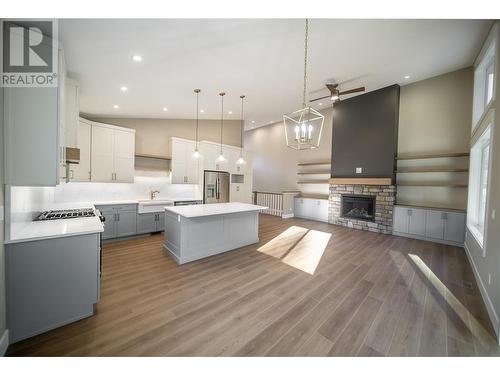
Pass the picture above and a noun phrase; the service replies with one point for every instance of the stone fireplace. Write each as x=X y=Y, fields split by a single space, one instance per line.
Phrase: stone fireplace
x=365 y=207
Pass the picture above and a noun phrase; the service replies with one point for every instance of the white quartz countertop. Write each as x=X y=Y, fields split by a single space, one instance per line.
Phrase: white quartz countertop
x=41 y=230
x=212 y=209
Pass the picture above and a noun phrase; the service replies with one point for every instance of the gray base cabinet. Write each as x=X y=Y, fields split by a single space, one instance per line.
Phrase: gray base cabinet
x=120 y=220
x=151 y=222
x=50 y=283
x=430 y=224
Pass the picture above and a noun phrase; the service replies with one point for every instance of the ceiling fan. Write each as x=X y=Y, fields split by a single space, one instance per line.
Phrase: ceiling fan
x=335 y=93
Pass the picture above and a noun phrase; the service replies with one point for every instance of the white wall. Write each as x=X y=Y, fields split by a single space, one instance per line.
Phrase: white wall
x=275 y=165
x=434 y=117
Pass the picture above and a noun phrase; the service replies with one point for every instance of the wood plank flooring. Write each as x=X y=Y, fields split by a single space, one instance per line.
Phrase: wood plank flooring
x=307 y=289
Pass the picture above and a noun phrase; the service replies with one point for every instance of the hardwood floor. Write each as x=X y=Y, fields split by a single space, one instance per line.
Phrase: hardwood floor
x=307 y=289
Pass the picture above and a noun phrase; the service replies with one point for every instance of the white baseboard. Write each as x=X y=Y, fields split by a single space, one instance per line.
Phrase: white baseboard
x=287 y=216
x=486 y=298
x=4 y=343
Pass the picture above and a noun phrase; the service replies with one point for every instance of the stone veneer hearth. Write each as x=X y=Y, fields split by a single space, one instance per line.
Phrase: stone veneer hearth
x=385 y=198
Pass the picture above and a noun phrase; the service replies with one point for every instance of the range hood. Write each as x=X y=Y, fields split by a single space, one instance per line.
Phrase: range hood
x=72 y=155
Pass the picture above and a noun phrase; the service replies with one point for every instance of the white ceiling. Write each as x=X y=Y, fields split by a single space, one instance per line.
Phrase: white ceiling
x=262 y=59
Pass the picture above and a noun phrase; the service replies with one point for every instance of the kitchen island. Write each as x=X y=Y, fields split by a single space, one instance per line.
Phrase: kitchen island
x=199 y=231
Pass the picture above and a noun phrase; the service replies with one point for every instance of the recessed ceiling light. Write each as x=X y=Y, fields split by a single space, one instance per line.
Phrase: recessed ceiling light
x=407 y=77
x=137 y=58
x=320 y=103
x=165 y=109
x=230 y=112
x=116 y=106
x=124 y=88
x=202 y=111
x=253 y=121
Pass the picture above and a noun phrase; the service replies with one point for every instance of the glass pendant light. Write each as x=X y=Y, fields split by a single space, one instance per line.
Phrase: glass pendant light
x=196 y=154
x=303 y=127
x=241 y=160
x=221 y=158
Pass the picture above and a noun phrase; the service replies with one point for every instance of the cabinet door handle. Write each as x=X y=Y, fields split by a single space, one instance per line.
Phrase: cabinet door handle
x=409 y=212
x=444 y=216
x=117 y=217
x=90 y=175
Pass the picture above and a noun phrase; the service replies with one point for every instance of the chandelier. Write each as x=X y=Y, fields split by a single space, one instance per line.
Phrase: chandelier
x=303 y=127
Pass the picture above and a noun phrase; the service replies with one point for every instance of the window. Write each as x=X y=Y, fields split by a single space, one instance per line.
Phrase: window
x=484 y=84
x=478 y=185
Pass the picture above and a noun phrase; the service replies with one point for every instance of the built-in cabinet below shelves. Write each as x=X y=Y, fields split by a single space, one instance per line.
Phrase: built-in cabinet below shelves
x=437 y=225
x=311 y=208
x=150 y=222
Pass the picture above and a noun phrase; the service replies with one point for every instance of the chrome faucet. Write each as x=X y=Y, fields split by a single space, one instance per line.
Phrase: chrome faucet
x=153 y=194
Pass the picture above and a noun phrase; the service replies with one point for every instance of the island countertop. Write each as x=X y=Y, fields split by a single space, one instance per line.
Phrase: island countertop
x=201 y=210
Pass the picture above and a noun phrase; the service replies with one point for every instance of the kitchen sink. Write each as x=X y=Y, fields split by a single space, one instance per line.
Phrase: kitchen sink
x=149 y=206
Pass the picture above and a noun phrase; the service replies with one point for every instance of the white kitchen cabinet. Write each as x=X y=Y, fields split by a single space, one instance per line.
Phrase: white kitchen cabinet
x=416 y=221
x=124 y=155
x=443 y=226
x=185 y=168
x=102 y=154
x=112 y=153
x=81 y=172
x=71 y=115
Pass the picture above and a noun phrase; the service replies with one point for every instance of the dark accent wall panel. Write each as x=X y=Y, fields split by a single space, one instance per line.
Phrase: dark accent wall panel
x=365 y=134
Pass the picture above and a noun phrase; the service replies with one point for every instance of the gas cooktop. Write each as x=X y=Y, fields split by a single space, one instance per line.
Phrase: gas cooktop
x=66 y=214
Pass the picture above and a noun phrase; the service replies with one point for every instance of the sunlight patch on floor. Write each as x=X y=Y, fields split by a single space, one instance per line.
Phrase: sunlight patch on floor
x=475 y=327
x=298 y=247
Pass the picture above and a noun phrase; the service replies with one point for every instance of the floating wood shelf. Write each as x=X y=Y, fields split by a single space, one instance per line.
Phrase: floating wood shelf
x=436 y=184
x=431 y=207
x=149 y=156
x=433 y=156
x=361 y=181
x=305 y=164
x=317 y=172
x=428 y=170
x=313 y=182
x=314 y=196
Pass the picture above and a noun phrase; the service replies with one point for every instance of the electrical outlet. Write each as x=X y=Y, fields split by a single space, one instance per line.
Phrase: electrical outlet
x=492 y=214
x=489 y=279
x=359 y=170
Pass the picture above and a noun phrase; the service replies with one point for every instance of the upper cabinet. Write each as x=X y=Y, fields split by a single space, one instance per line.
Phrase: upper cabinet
x=33 y=142
x=112 y=153
x=185 y=168
x=81 y=171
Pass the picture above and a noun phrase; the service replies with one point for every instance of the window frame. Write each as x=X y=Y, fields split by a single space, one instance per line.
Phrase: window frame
x=477 y=221
x=485 y=63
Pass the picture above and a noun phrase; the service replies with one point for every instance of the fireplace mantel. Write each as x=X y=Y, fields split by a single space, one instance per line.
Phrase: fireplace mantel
x=380 y=181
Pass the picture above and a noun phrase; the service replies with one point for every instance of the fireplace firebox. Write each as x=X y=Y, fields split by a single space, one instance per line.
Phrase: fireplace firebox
x=359 y=207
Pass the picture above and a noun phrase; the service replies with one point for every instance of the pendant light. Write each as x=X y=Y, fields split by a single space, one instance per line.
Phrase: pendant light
x=221 y=158
x=303 y=127
x=196 y=154
x=241 y=160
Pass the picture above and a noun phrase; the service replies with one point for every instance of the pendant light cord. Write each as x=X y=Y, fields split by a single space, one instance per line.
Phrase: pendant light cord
x=197 y=91
x=305 y=64
x=221 y=119
x=242 y=125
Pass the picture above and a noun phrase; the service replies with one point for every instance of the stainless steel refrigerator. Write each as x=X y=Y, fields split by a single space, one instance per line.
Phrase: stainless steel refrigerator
x=216 y=187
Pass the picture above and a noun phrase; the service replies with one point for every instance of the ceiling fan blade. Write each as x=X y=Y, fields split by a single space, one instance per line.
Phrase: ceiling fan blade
x=324 y=97
x=332 y=87
x=359 y=89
